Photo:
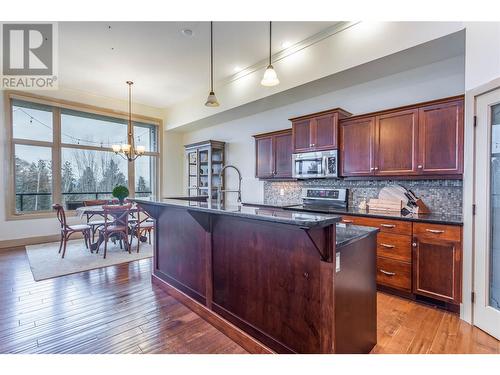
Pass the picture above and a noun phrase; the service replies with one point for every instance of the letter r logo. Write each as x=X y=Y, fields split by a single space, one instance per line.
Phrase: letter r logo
x=27 y=49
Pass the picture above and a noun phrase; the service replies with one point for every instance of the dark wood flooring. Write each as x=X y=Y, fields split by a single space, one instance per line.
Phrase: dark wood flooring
x=117 y=310
x=108 y=310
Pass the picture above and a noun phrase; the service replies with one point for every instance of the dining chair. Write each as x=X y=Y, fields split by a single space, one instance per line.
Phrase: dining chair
x=95 y=224
x=115 y=224
x=143 y=225
x=68 y=230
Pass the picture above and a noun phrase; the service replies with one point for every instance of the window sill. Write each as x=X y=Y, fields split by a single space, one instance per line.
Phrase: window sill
x=37 y=215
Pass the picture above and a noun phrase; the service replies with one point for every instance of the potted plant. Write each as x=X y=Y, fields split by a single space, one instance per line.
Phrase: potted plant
x=120 y=192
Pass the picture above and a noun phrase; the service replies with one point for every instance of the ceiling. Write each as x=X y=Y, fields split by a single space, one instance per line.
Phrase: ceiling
x=166 y=65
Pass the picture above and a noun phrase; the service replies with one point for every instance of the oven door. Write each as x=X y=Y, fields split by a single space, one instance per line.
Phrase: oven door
x=308 y=165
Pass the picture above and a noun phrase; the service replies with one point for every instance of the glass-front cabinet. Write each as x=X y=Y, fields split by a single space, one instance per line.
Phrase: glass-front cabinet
x=204 y=164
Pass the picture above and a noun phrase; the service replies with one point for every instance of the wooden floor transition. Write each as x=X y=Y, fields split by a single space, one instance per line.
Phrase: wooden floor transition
x=117 y=310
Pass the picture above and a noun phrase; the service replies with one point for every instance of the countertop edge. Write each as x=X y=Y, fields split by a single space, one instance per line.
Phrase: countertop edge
x=328 y=220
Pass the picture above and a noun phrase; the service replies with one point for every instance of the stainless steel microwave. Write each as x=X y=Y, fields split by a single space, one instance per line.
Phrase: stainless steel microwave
x=322 y=164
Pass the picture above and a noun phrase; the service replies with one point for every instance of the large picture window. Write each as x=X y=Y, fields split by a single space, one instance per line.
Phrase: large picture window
x=64 y=155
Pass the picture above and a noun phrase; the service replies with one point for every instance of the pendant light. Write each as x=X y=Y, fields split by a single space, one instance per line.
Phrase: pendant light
x=270 y=77
x=128 y=151
x=212 y=99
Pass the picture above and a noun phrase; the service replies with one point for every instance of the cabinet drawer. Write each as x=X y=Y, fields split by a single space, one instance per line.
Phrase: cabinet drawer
x=394 y=246
x=394 y=273
x=386 y=226
x=438 y=232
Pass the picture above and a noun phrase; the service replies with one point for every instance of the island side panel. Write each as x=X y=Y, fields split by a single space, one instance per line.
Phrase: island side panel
x=181 y=244
x=356 y=297
x=266 y=280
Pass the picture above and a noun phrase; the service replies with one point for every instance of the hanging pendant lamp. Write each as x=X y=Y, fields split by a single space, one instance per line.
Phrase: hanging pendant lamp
x=212 y=99
x=270 y=77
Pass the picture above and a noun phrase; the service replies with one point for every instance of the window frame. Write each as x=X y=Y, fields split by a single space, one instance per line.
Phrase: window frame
x=56 y=146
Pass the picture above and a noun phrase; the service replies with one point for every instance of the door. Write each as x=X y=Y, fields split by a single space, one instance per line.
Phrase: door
x=301 y=136
x=264 y=156
x=487 y=219
x=396 y=143
x=283 y=155
x=441 y=138
x=357 y=140
x=325 y=132
x=436 y=269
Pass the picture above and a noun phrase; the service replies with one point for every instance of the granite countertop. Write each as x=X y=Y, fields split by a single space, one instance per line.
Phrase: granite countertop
x=433 y=218
x=347 y=234
x=272 y=214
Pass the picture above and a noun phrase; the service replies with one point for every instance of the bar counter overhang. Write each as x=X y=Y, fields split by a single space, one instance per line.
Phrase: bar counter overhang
x=272 y=280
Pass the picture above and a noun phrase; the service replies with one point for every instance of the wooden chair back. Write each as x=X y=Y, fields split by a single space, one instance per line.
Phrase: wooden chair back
x=61 y=216
x=119 y=213
x=144 y=214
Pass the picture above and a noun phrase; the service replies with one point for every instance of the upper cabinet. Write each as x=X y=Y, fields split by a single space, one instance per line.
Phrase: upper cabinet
x=423 y=140
x=357 y=150
x=273 y=152
x=318 y=131
x=441 y=138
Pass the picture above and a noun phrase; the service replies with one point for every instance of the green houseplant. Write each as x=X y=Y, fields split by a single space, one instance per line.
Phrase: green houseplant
x=121 y=192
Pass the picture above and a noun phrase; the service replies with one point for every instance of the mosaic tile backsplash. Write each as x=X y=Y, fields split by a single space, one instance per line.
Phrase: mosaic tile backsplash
x=441 y=196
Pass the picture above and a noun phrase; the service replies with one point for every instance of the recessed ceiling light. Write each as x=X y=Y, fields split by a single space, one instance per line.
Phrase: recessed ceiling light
x=187 y=32
x=286 y=44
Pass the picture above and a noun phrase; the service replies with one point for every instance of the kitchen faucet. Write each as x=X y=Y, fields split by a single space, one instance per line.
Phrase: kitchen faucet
x=219 y=188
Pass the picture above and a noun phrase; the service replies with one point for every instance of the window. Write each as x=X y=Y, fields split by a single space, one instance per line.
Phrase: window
x=64 y=155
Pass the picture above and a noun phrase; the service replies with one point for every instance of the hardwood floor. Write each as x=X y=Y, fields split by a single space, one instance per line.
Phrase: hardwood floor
x=109 y=310
x=117 y=310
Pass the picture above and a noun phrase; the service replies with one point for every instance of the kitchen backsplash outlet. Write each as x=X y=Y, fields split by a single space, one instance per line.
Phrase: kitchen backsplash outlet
x=441 y=196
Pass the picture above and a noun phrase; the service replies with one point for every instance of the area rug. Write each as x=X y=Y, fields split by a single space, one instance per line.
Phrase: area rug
x=46 y=262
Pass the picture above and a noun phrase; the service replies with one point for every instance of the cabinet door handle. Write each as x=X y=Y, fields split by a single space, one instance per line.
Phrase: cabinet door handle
x=419 y=166
x=435 y=231
x=387 y=273
x=387 y=246
x=376 y=168
x=387 y=225
x=371 y=169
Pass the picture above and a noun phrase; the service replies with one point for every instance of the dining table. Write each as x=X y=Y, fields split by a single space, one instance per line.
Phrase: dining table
x=99 y=211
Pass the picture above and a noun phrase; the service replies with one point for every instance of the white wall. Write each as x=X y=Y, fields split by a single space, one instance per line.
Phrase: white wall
x=17 y=229
x=356 y=45
x=433 y=81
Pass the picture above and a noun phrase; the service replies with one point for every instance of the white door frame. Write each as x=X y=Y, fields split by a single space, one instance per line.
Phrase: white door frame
x=469 y=197
x=485 y=317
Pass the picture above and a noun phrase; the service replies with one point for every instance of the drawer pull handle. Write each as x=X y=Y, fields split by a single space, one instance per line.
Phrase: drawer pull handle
x=388 y=273
x=436 y=231
x=387 y=246
x=347 y=221
x=388 y=225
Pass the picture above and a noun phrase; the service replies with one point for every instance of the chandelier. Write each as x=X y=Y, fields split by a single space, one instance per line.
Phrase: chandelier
x=127 y=150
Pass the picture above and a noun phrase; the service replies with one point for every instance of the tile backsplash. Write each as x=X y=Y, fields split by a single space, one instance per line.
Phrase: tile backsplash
x=441 y=196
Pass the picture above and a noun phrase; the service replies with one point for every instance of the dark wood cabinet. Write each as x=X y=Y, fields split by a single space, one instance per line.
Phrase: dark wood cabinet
x=421 y=140
x=273 y=155
x=317 y=131
x=437 y=262
x=396 y=143
x=441 y=132
x=283 y=155
x=418 y=259
x=301 y=135
x=357 y=151
x=264 y=157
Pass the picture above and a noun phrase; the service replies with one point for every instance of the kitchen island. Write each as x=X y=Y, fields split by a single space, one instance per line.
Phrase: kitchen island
x=272 y=280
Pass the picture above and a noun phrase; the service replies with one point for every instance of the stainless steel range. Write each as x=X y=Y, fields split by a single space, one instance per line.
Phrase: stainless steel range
x=322 y=200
